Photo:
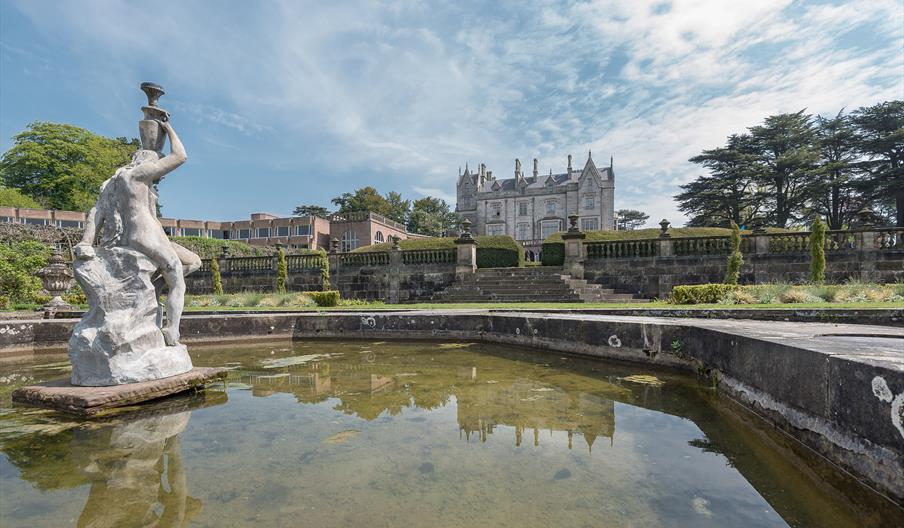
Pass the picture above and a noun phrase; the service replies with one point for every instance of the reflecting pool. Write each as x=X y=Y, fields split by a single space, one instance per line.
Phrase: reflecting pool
x=409 y=434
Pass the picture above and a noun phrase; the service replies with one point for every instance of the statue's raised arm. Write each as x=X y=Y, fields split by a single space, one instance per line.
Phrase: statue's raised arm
x=153 y=171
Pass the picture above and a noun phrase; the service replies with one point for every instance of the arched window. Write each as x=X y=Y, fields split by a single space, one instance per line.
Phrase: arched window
x=379 y=237
x=349 y=241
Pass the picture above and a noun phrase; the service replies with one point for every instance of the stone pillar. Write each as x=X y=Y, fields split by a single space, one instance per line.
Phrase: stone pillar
x=760 y=252
x=867 y=252
x=225 y=266
x=334 y=263
x=664 y=283
x=574 y=249
x=395 y=270
x=466 y=258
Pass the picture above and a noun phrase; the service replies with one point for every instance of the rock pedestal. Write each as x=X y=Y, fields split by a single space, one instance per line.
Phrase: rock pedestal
x=118 y=340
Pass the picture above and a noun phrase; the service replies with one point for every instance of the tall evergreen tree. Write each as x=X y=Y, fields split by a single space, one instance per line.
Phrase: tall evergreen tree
x=880 y=140
x=835 y=197
x=728 y=193
x=787 y=159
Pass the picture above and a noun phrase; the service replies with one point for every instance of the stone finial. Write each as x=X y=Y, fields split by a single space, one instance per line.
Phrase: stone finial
x=334 y=245
x=517 y=168
x=759 y=226
x=279 y=246
x=225 y=251
x=465 y=235
x=664 y=228
x=394 y=240
x=536 y=167
x=866 y=217
x=569 y=163
x=483 y=169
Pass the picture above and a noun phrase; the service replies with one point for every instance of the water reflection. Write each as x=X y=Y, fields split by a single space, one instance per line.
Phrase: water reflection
x=131 y=463
x=498 y=392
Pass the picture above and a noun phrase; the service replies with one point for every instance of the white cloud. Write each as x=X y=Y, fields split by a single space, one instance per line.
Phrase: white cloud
x=414 y=91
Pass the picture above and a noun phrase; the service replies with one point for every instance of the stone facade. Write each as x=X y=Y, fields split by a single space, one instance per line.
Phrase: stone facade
x=530 y=208
x=261 y=229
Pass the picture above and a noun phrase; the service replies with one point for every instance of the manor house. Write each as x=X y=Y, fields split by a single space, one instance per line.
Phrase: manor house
x=530 y=208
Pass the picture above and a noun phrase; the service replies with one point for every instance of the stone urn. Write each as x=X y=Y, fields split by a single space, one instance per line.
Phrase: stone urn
x=149 y=130
x=56 y=278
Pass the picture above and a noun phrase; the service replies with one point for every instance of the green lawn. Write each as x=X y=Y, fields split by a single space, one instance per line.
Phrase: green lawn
x=553 y=306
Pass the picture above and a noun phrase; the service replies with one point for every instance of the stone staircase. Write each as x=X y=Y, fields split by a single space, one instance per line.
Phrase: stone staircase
x=529 y=284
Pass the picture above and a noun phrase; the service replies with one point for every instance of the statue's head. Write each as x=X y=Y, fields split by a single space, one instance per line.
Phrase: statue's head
x=144 y=155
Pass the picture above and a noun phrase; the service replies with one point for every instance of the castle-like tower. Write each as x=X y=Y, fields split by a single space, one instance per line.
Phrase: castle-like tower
x=530 y=208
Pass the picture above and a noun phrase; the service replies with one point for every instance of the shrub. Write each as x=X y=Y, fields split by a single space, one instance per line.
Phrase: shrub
x=552 y=253
x=213 y=247
x=75 y=295
x=282 y=272
x=735 y=259
x=740 y=296
x=818 y=252
x=797 y=295
x=499 y=252
x=19 y=261
x=4 y=302
x=700 y=293
x=325 y=298
x=216 y=278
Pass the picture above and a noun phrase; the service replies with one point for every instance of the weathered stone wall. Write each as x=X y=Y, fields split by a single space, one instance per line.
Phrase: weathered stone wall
x=264 y=281
x=655 y=276
x=404 y=283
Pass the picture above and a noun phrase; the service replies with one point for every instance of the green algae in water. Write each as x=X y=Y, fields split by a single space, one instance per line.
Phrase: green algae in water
x=417 y=434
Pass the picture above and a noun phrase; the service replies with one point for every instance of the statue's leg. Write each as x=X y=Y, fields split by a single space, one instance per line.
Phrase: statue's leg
x=170 y=267
x=190 y=261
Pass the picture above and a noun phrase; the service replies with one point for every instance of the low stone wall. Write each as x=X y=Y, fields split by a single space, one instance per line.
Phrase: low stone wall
x=654 y=276
x=201 y=281
x=836 y=388
x=388 y=277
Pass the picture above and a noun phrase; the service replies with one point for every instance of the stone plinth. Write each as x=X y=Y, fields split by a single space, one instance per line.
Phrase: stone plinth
x=89 y=401
x=119 y=340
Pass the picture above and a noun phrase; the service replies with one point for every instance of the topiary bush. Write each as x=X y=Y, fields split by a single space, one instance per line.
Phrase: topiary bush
x=215 y=276
x=735 y=259
x=324 y=298
x=700 y=293
x=282 y=271
x=818 y=252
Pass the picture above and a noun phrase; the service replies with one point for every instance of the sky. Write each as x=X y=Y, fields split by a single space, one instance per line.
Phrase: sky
x=281 y=103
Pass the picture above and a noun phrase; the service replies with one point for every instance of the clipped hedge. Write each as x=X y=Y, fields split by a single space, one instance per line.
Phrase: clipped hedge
x=700 y=293
x=213 y=247
x=492 y=251
x=552 y=253
x=324 y=298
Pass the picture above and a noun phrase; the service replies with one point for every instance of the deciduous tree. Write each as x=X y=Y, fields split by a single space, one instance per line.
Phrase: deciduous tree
x=62 y=166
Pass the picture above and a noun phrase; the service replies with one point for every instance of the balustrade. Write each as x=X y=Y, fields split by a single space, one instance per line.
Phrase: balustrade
x=429 y=256
x=891 y=238
x=693 y=246
x=374 y=258
x=296 y=262
x=622 y=249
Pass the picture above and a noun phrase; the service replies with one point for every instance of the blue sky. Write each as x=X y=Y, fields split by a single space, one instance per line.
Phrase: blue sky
x=287 y=102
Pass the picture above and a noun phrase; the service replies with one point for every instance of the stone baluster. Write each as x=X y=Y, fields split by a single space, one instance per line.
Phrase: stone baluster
x=574 y=248
x=466 y=254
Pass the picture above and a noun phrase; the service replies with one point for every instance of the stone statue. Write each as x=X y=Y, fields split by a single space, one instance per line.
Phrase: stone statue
x=123 y=262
